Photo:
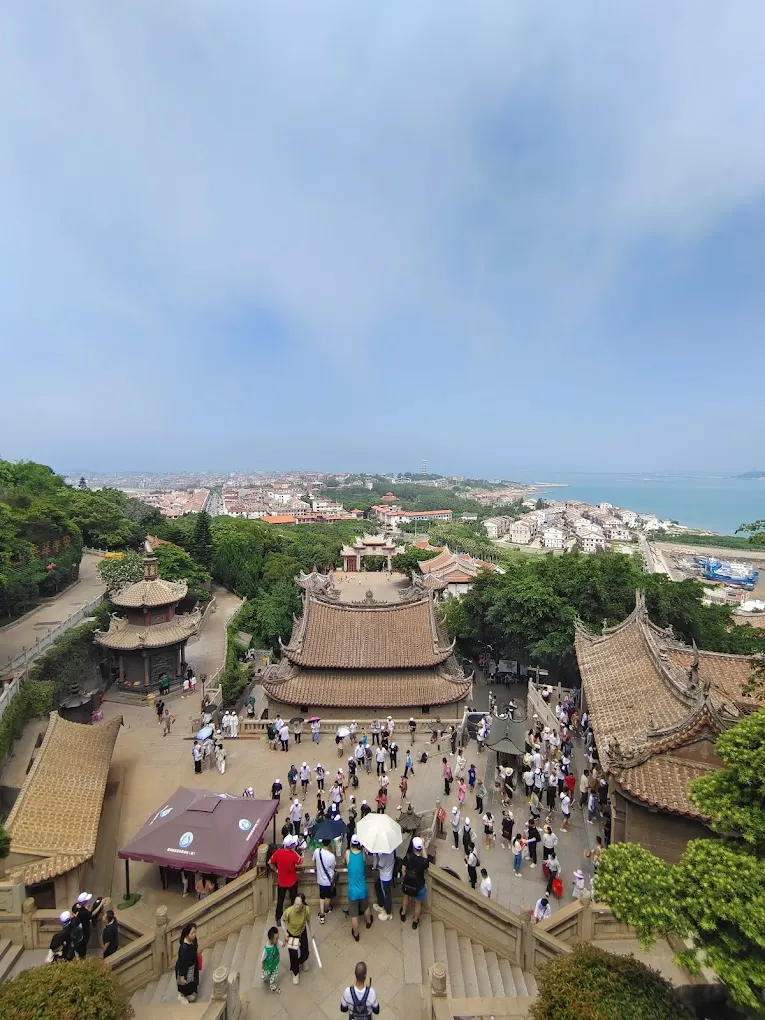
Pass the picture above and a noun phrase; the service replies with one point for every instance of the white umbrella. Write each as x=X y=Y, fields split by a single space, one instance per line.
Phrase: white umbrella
x=343 y=731
x=379 y=834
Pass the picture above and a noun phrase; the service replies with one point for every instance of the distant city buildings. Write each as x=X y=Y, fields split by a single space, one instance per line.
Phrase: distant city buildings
x=174 y=503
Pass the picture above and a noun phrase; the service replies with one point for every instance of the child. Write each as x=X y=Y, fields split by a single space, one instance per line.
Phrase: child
x=270 y=960
x=461 y=791
x=471 y=778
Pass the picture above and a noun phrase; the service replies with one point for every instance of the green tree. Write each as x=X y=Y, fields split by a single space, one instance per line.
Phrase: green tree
x=5 y=842
x=755 y=530
x=116 y=573
x=407 y=563
x=715 y=894
x=590 y=984
x=175 y=564
x=80 y=990
x=735 y=795
x=201 y=540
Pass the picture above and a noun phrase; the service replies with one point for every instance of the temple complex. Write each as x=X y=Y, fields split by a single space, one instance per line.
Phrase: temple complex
x=656 y=709
x=456 y=570
x=150 y=640
x=368 y=545
x=346 y=656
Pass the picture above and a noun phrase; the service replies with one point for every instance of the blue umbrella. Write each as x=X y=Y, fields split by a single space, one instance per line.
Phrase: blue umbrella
x=329 y=828
x=204 y=733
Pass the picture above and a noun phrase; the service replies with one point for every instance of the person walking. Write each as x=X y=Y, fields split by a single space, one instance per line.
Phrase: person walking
x=471 y=778
x=375 y=731
x=382 y=801
x=276 y=791
x=508 y=822
x=413 y=885
x=542 y=909
x=292 y=778
x=384 y=886
x=553 y=870
x=412 y=729
x=584 y=788
x=380 y=758
x=456 y=821
x=358 y=897
x=446 y=772
x=393 y=754
x=196 y=754
x=532 y=841
x=110 y=936
x=480 y=793
x=324 y=862
x=565 y=807
x=472 y=862
x=485 y=887
x=467 y=836
x=320 y=774
x=461 y=790
x=360 y=998
x=295 y=925
x=285 y=863
x=167 y=722
x=284 y=736
x=305 y=777
x=488 y=829
x=549 y=842
x=403 y=786
x=296 y=814
x=408 y=764
x=159 y=708
x=315 y=731
x=187 y=964
x=453 y=739
x=297 y=730
x=517 y=847
x=269 y=960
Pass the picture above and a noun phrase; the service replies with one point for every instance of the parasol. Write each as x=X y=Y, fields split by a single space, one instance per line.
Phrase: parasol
x=296 y=719
x=343 y=731
x=329 y=828
x=379 y=834
x=314 y=718
x=204 y=733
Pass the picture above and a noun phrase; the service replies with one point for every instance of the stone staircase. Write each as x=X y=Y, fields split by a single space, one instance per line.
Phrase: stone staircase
x=10 y=953
x=471 y=971
x=240 y=952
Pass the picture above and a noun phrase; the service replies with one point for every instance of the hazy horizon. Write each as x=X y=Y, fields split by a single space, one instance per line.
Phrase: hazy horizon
x=498 y=236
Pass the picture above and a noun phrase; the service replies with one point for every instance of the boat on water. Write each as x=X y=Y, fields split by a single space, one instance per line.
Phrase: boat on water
x=728 y=572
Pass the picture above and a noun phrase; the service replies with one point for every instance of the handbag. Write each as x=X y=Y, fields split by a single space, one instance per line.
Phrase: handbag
x=199 y=961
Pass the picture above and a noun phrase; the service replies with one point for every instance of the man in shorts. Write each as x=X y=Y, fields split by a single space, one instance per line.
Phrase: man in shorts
x=358 y=897
x=413 y=880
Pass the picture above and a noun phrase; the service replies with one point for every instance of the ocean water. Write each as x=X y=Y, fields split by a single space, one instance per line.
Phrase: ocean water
x=713 y=502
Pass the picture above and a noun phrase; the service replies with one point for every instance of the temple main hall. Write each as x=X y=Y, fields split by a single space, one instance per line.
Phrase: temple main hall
x=372 y=655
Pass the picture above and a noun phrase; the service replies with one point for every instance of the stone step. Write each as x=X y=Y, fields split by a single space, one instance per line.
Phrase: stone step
x=147 y=994
x=166 y=981
x=210 y=961
x=251 y=970
x=531 y=983
x=426 y=945
x=9 y=954
x=440 y=954
x=242 y=945
x=454 y=965
x=410 y=949
x=481 y=970
x=495 y=975
x=520 y=982
x=508 y=981
x=230 y=949
x=469 y=976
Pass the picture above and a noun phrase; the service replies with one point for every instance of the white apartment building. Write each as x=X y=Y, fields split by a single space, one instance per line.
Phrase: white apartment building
x=496 y=527
x=615 y=531
x=553 y=538
x=523 y=530
x=590 y=542
x=628 y=517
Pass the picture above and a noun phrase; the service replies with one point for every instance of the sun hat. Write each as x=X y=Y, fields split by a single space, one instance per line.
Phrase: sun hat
x=64 y=917
x=578 y=874
x=355 y=841
x=417 y=843
x=455 y=809
x=84 y=897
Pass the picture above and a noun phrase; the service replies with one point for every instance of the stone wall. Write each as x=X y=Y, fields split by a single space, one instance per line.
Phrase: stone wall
x=663 y=834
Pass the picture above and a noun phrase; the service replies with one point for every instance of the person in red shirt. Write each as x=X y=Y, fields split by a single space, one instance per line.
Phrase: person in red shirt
x=285 y=864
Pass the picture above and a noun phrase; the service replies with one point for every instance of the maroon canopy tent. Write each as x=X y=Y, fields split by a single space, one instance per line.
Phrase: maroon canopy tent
x=199 y=830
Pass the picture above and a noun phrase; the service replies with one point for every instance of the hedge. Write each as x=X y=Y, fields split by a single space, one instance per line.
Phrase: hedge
x=78 y=990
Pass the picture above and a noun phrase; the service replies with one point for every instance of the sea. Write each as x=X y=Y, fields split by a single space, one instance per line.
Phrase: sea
x=719 y=503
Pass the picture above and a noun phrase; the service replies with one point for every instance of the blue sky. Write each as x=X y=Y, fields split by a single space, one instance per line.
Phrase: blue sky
x=509 y=238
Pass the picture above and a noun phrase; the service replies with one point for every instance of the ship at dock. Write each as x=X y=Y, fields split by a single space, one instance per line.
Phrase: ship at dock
x=728 y=572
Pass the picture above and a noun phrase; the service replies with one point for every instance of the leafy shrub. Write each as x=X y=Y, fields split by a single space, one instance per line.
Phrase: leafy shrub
x=80 y=990
x=68 y=663
x=35 y=698
x=591 y=984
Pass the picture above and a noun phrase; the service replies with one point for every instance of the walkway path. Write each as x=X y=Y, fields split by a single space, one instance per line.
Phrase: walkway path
x=207 y=651
x=36 y=624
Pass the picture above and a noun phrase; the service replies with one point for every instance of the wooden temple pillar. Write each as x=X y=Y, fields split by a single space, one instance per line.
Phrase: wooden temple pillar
x=146 y=667
x=122 y=668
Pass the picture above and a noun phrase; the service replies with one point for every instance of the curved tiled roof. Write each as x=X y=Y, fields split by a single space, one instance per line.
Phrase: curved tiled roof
x=727 y=674
x=662 y=782
x=128 y=637
x=321 y=688
x=335 y=635
x=58 y=811
x=150 y=594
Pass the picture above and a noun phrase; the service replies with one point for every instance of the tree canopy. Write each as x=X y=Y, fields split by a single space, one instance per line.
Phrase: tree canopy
x=591 y=984
x=715 y=894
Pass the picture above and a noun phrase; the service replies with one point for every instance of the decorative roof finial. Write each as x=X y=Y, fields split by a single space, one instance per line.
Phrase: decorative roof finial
x=693 y=672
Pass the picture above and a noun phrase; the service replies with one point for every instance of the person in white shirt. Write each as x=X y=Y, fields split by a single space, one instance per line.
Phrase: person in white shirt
x=565 y=806
x=234 y=724
x=391 y=725
x=284 y=737
x=305 y=776
x=296 y=813
x=353 y=728
x=324 y=864
x=542 y=910
x=358 y=998
x=384 y=886
x=315 y=731
x=485 y=887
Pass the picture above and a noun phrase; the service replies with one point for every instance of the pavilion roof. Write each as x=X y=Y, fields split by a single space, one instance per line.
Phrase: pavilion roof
x=149 y=594
x=123 y=636
x=454 y=567
x=653 y=702
x=338 y=635
x=57 y=814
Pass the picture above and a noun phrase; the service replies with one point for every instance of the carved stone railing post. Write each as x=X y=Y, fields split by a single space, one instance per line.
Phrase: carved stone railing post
x=220 y=984
x=585 y=918
x=159 y=949
x=438 y=980
x=526 y=961
x=28 y=908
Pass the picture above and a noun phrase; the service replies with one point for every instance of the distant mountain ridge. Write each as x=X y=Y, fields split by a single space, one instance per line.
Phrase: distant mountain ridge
x=752 y=474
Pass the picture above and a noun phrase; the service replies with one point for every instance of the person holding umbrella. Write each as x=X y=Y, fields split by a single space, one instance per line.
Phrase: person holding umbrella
x=340 y=734
x=315 y=723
